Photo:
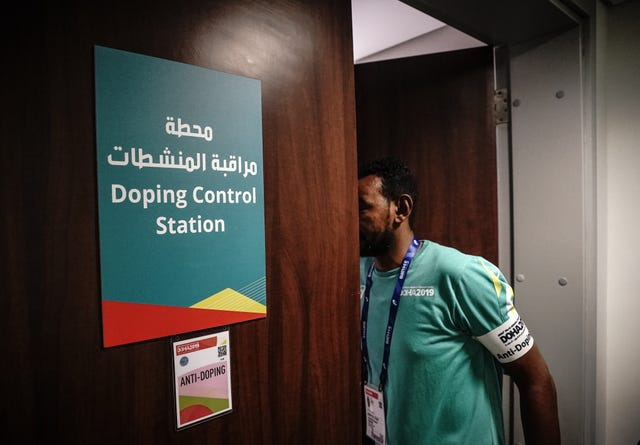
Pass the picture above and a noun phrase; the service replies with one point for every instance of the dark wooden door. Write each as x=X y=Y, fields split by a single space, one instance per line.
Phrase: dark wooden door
x=436 y=112
x=295 y=374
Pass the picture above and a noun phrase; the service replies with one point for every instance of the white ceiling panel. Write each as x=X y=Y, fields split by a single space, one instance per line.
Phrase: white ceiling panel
x=381 y=24
x=387 y=29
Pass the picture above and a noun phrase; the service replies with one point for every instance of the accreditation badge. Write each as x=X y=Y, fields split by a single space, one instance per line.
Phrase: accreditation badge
x=374 y=408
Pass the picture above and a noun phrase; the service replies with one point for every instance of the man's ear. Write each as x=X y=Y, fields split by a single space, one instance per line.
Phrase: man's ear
x=404 y=207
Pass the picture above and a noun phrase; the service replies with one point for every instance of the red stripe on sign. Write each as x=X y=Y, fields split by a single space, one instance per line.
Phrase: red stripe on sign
x=133 y=322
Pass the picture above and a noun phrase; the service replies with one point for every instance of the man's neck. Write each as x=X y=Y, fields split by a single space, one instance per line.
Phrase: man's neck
x=394 y=257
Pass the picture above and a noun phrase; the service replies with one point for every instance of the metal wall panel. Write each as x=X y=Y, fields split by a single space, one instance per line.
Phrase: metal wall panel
x=548 y=209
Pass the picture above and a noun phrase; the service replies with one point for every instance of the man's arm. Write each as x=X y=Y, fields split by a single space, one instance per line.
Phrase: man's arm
x=538 y=403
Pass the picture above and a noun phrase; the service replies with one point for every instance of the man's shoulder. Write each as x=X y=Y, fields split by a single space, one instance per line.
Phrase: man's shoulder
x=446 y=255
x=455 y=263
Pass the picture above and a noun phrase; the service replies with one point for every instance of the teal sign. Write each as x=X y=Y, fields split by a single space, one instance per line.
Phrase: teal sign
x=180 y=195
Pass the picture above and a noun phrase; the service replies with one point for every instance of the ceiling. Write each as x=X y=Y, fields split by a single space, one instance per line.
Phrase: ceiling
x=388 y=29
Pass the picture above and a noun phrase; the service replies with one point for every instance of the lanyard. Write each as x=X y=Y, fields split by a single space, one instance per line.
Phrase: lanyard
x=393 y=311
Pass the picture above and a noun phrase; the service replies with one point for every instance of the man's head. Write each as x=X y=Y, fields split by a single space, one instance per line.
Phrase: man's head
x=386 y=197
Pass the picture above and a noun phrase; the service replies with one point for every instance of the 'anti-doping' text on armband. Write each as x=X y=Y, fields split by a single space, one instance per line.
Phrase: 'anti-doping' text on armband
x=509 y=341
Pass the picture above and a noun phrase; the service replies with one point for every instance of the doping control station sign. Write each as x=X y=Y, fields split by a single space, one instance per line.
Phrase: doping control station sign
x=180 y=197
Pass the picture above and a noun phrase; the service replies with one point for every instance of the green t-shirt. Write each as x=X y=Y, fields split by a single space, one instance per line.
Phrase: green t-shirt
x=444 y=386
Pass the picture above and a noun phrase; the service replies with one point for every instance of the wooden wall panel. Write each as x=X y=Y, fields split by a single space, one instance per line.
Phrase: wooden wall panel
x=436 y=112
x=295 y=375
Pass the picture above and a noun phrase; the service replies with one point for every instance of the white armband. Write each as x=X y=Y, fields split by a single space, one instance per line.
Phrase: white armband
x=509 y=341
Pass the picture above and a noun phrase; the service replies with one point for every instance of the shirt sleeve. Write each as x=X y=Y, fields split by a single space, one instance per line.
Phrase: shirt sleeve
x=488 y=312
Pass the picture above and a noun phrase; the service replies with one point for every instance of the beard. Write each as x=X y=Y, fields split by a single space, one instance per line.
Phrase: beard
x=375 y=243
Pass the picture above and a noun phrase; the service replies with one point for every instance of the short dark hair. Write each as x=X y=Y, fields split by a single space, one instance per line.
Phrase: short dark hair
x=397 y=179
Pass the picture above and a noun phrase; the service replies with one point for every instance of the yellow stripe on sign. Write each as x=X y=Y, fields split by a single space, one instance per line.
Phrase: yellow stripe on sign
x=230 y=300
x=496 y=281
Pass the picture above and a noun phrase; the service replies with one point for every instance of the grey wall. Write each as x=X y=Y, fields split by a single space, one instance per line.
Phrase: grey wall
x=619 y=212
x=548 y=214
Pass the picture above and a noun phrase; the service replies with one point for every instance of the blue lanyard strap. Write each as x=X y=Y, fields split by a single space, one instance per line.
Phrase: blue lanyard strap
x=393 y=311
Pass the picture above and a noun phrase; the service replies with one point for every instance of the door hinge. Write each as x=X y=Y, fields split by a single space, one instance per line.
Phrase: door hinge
x=501 y=106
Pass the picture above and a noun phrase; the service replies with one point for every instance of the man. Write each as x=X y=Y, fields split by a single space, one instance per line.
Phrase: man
x=438 y=330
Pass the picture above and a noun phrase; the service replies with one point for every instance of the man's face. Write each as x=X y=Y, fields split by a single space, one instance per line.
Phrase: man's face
x=376 y=229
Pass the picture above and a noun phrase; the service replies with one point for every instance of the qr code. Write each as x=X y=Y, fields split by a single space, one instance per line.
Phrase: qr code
x=222 y=350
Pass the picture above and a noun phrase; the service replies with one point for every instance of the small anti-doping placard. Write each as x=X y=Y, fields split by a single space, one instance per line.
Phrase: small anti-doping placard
x=202 y=371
